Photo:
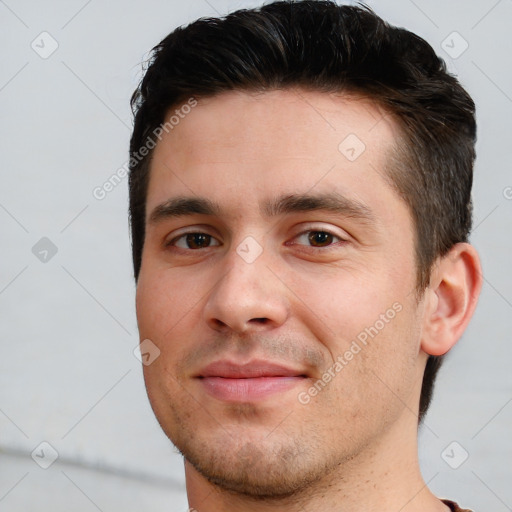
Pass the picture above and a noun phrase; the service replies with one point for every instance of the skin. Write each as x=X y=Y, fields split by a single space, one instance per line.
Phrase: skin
x=301 y=303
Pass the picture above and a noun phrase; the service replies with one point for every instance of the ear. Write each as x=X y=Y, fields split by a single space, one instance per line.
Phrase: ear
x=451 y=298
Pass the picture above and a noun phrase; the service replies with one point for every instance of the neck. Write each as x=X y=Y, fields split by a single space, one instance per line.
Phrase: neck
x=385 y=477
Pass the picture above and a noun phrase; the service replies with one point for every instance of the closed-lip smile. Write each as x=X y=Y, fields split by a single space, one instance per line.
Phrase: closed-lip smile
x=250 y=381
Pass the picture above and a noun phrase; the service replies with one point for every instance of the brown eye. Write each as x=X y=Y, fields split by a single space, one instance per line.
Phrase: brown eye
x=320 y=238
x=195 y=241
x=198 y=240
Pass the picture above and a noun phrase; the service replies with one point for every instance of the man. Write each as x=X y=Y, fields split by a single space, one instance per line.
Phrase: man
x=300 y=207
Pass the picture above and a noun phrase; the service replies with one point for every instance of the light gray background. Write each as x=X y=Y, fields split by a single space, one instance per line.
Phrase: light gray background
x=68 y=375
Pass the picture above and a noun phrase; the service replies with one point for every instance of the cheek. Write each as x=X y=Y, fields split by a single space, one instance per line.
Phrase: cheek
x=164 y=305
x=165 y=312
x=381 y=379
x=370 y=323
x=348 y=302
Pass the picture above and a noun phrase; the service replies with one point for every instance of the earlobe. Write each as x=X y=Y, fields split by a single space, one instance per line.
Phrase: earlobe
x=451 y=298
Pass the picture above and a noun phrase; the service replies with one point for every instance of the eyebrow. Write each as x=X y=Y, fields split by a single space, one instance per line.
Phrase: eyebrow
x=331 y=202
x=183 y=206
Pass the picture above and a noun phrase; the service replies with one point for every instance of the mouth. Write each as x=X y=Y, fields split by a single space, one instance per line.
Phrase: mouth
x=255 y=380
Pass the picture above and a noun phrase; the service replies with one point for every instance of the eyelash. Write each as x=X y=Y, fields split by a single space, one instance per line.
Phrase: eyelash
x=318 y=231
x=340 y=240
x=173 y=242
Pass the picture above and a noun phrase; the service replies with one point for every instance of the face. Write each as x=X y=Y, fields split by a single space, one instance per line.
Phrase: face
x=278 y=282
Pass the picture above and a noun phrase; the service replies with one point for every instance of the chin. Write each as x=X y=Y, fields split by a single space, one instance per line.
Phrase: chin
x=265 y=469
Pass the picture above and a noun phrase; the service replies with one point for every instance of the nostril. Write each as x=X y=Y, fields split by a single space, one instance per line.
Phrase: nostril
x=260 y=320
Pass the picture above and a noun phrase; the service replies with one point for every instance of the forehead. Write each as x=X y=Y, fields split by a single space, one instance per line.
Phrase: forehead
x=291 y=122
x=242 y=146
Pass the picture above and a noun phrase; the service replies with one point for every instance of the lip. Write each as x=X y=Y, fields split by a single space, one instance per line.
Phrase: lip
x=251 y=381
x=252 y=369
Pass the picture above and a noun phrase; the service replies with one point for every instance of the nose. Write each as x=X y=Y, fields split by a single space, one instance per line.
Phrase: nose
x=248 y=297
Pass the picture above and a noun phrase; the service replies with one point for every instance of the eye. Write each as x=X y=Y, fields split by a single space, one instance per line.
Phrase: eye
x=194 y=241
x=318 y=238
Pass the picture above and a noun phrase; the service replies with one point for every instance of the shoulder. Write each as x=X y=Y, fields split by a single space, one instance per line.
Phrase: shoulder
x=454 y=507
